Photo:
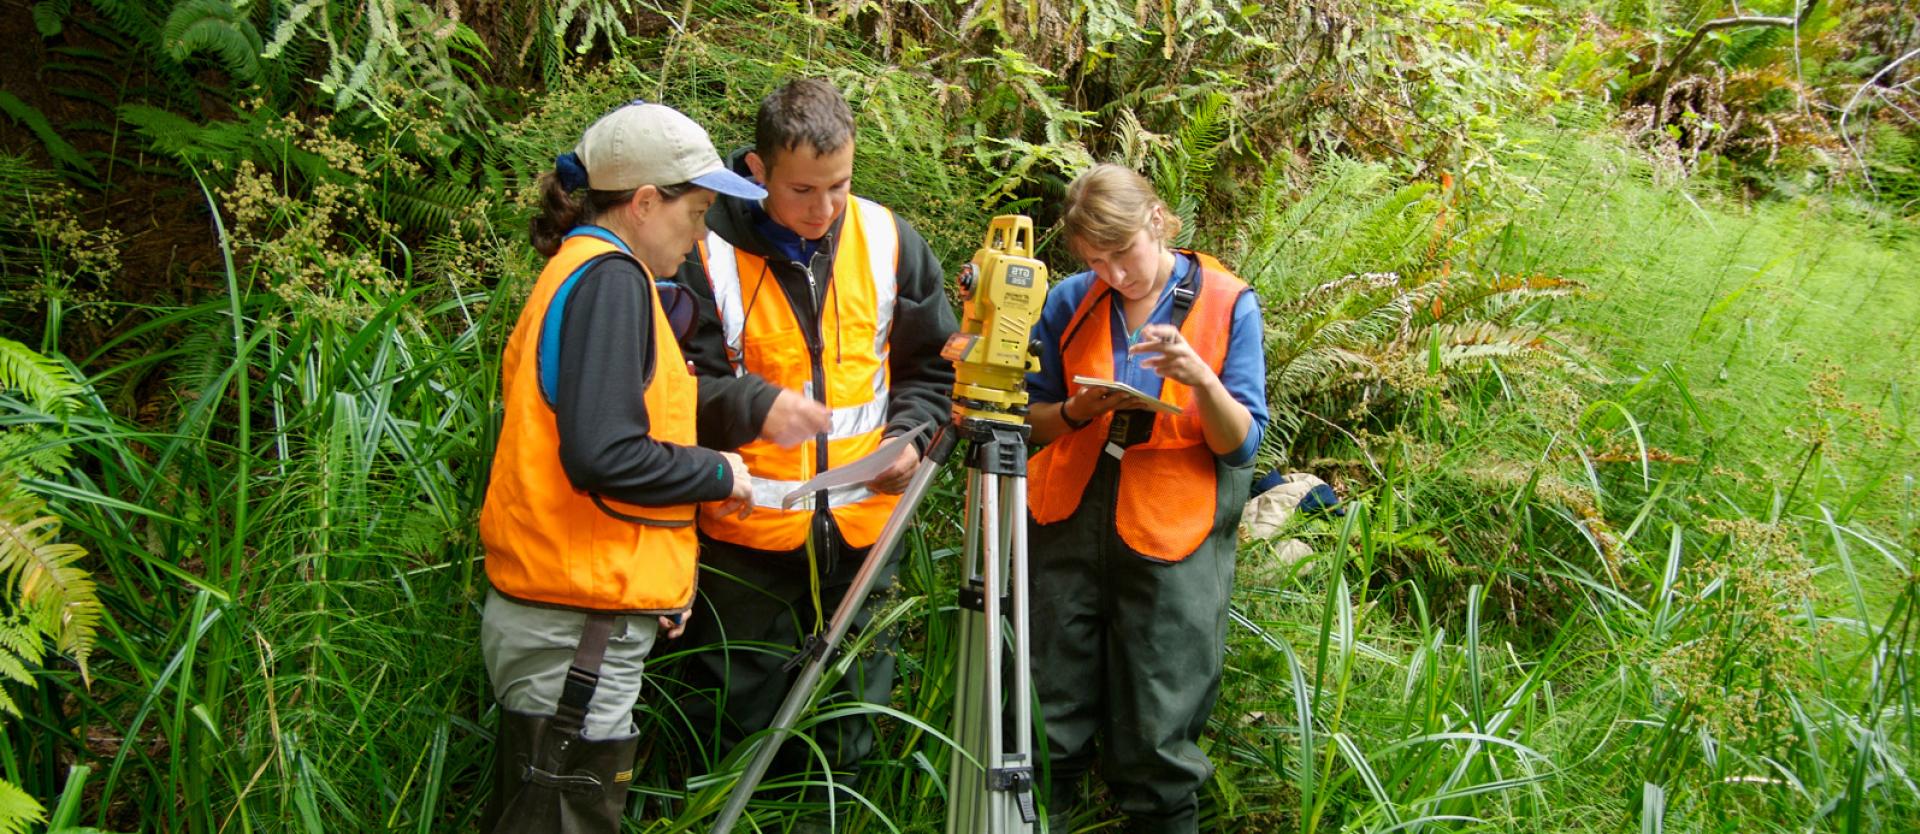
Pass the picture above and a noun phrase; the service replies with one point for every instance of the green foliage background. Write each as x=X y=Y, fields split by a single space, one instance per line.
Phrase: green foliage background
x=1610 y=353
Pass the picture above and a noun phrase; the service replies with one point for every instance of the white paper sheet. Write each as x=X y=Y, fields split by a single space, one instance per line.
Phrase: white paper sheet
x=858 y=472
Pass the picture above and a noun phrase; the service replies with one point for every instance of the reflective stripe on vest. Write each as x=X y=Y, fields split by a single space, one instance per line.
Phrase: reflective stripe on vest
x=1167 y=493
x=547 y=542
x=764 y=336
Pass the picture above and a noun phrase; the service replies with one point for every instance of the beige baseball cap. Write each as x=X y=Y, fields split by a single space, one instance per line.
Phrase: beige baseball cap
x=653 y=144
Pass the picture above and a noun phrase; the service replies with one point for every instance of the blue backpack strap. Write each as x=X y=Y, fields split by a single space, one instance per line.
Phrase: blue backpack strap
x=550 y=324
x=602 y=233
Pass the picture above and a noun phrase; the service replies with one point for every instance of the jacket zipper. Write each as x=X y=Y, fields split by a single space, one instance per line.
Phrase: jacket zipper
x=816 y=348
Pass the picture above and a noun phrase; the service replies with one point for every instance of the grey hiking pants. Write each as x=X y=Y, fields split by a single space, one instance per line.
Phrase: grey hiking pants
x=528 y=649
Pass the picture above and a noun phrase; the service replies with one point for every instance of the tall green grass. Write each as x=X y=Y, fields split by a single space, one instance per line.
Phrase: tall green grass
x=1627 y=560
x=1790 y=323
x=287 y=557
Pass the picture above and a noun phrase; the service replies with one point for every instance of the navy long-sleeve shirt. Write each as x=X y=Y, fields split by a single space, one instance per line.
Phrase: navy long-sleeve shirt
x=606 y=358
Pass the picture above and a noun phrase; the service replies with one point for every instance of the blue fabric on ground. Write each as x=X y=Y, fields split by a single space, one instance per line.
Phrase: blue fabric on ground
x=1267 y=482
x=1322 y=499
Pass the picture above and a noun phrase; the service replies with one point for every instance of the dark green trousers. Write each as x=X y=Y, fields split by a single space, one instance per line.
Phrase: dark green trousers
x=1127 y=655
x=753 y=612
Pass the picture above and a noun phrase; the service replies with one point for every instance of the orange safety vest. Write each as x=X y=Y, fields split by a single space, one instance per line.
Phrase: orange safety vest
x=847 y=371
x=547 y=542
x=1167 y=489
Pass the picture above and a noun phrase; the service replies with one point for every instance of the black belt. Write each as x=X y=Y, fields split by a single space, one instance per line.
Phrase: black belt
x=1128 y=428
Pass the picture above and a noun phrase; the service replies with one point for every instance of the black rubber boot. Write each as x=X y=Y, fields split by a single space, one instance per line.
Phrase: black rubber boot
x=545 y=780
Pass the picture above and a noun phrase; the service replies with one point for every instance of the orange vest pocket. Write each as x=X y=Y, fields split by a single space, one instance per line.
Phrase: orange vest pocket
x=1168 y=499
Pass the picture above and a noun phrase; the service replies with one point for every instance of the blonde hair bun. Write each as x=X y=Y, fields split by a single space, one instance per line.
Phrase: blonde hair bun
x=1109 y=204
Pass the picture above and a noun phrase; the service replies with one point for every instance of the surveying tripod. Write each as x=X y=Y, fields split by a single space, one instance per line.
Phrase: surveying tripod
x=996 y=794
x=990 y=785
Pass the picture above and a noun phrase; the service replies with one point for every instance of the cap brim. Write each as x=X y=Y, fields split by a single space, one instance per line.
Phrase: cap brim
x=731 y=184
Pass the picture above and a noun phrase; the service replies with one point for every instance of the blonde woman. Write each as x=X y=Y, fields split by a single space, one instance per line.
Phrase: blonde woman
x=1133 y=537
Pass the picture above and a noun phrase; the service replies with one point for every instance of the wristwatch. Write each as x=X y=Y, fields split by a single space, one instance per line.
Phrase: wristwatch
x=1068 y=418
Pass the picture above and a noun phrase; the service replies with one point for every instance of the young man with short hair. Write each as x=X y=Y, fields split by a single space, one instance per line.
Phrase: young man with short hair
x=837 y=305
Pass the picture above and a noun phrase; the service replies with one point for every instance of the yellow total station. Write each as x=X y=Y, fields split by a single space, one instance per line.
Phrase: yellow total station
x=1003 y=288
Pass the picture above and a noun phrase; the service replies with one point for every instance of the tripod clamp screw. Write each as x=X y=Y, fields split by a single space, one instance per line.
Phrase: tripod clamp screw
x=973 y=597
x=813 y=647
x=1018 y=780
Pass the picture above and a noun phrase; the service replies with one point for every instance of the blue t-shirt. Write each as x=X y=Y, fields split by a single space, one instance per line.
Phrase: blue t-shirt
x=1244 y=372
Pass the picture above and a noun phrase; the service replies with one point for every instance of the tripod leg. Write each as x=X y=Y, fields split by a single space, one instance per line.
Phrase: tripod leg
x=993 y=567
x=993 y=793
x=1012 y=776
x=966 y=775
x=1022 y=695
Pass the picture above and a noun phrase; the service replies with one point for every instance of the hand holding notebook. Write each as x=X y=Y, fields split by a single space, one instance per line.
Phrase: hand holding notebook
x=1132 y=393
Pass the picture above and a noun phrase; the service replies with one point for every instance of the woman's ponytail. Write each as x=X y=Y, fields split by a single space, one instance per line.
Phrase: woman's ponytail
x=560 y=211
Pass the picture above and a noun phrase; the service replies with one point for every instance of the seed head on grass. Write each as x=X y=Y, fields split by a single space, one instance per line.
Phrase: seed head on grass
x=1747 y=647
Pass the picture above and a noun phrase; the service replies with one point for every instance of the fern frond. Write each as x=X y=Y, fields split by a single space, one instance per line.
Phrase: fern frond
x=1392 y=232
x=177 y=135
x=1531 y=283
x=1363 y=318
x=47 y=383
x=57 y=597
x=1202 y=136
x=14 y=667
x=200 y=365
x=1743 y=45
x=21 y=640
x=1183 y=165
x=1336 y=291
x=19 y=813
x=283 y=31
x=133 y=18
x=217 y=27
x=36 y=121
x=31 y=452
x=1316 y=370
x=1494 y=295
x=50 y=16
x=420 y=531
x=430 y=209
x=1464 y=343
x=1135 y=141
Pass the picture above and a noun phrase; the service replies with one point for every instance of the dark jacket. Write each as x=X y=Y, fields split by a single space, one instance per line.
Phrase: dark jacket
x=922 y=381
x=600 y=408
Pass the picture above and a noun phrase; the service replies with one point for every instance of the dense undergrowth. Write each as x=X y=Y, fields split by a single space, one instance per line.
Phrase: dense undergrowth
x=1611 y=355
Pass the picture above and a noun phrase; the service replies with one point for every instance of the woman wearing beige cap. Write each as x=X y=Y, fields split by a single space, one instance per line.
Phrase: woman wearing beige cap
x=589 y=517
